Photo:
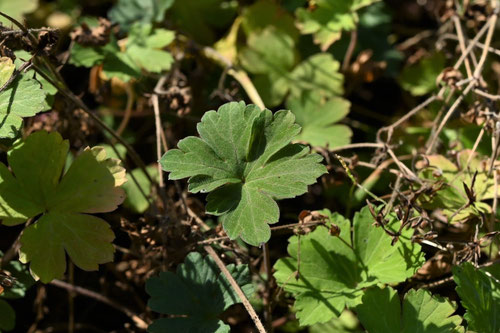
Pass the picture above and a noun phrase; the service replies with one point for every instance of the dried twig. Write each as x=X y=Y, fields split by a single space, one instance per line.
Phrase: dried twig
x=236 y=288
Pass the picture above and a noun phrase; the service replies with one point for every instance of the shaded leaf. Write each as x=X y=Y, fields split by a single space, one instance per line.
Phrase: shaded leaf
x=328 y=18
x=128 y=12
x=198 y=292
x=480 y=296
x=318 y=120
x=420 y=78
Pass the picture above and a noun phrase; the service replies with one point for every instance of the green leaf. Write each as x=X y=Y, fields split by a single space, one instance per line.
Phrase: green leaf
x=480 y=296
x=23 y=98
x=334 y=270
x=452 y=198
x=7 y=316
x=7 y=68
x=197 y=294
x=201 y=19
x=264 y=13
x=347 y=322
x=380 y=312
x=35 y=187
x=245 y=159
x=144 y=47
x=135 y=198
x=319 y=74
x=128 y=12
x=23 y=280
x=420 y=78
x=318 y=120
x=271 y=56
x=86 y=56
x=16 y=9
x=328 y=18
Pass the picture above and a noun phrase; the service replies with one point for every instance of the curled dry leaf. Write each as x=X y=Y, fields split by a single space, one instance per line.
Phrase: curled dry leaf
x=98 y=36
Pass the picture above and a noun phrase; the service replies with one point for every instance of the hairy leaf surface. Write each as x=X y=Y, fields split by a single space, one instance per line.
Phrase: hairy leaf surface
x=480 y=296
x=381 y=312
x=334 y=270
x=244 y=158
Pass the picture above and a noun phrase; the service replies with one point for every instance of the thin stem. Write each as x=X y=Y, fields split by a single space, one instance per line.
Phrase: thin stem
x=236 y=288
x=138 y=321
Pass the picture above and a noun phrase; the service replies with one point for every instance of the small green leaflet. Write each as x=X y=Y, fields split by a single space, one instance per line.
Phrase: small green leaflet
x=380 y=312
x=35 y=188
x=128 y=12
x=197 y=294
x=318 y=120
x=480 y=296
x=335 y=270
x=23 y=98
x=420 y=78
x=244 y=158
x=326 y=19
x=143 y=51
x=452 y=197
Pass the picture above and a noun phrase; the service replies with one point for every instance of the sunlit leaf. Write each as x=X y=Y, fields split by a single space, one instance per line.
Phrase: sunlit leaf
x=245 y=159
x=34 y=188
x=381 y=312
x=335 y=270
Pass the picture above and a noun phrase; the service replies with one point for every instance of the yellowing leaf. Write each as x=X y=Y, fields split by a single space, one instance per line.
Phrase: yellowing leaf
x=35 y=187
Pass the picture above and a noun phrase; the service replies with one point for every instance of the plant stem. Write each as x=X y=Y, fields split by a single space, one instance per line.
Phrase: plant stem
x=236 y=288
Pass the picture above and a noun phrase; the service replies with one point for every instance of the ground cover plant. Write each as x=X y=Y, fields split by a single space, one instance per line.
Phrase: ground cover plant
x=249 y=166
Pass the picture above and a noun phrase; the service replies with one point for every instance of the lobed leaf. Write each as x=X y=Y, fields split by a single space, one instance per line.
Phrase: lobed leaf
x=381 y=312
x=35 y=188
x=335 y=270
x=480 y=296
x=197 y=294
x=245 y=159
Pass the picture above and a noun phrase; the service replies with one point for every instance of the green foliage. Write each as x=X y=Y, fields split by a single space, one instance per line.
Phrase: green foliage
x=201 y=19
x=22 y=98
x=197 y=294
x=326 y=19
x=420 y=78
x=452 y=197
x=135 y=198
x=347 y=322
x=7 y=316
x=480 y=295
x=335 y=270
x=18 y=290
x=245 y=159
x=318 y=120
x=16 y=9
x=34 y=188
x=143 y=51
x=128 y=12
x=381 y=312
